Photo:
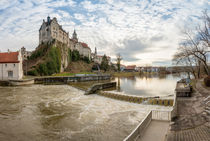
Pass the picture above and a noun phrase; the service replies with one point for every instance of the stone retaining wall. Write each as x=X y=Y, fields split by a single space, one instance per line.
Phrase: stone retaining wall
x=17 y=82
x=66 y=79
x=100 y=86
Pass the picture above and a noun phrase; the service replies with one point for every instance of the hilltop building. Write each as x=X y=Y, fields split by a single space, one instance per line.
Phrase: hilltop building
x=50 y=30
x=11 y=66
x=25 y=54
x=98 y=58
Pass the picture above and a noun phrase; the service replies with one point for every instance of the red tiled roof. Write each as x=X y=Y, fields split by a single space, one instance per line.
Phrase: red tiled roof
x=85 y=45
x=9 y=57
x=131 y=67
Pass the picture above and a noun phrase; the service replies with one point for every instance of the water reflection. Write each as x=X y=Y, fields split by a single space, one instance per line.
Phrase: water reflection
x=148 y=85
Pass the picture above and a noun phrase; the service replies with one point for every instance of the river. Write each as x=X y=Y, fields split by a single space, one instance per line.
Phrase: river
x=148 y=85
x=61 y=112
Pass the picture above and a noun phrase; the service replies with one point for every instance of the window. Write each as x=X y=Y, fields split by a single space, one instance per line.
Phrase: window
x=14 y=64
x=10 y=74
x=5 y=65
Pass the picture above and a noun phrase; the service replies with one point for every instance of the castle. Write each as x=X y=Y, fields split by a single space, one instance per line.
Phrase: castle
x=50 y=30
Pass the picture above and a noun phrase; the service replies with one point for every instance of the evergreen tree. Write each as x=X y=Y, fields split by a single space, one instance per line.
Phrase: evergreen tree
x=104 y=63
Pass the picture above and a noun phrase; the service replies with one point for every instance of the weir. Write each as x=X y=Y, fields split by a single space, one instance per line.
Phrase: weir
x=138 y=99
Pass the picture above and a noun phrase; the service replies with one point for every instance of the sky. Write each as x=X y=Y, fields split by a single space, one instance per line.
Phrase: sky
x=144 y=32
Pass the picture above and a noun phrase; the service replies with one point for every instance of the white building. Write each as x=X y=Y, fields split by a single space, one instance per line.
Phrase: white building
x=98 y=58
x=11 y=66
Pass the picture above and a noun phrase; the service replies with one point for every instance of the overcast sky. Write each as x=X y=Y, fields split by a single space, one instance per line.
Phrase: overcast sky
x=142 y=31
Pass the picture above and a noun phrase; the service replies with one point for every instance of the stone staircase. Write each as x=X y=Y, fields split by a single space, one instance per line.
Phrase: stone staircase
x=201 y=133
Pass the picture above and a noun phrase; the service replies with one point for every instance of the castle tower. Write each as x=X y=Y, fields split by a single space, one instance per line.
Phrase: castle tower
x=74 y=36
x=48 y=20
x=95 y=51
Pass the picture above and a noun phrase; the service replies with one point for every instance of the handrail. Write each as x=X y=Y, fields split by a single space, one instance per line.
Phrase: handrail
x=152 y=115
x=139 y=129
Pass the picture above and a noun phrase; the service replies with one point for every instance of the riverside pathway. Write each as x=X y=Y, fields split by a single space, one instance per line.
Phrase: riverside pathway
x=193 y=122
x=156 y=131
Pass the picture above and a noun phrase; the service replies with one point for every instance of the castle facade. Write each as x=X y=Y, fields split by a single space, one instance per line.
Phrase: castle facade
x=50 y=30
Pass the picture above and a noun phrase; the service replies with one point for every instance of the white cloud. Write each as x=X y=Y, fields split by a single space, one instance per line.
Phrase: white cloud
x=108 y=25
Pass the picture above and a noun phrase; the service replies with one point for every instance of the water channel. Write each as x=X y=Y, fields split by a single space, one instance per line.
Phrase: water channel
x=61 y=112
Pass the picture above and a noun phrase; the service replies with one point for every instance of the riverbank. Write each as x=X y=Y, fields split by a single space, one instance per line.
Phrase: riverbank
x=192 y=122
x=124 y=74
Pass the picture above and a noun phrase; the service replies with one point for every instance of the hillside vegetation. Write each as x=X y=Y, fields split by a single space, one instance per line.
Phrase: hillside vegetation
x=55 y=57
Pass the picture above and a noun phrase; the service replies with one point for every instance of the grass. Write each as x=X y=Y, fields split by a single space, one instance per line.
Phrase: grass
x=71 y=74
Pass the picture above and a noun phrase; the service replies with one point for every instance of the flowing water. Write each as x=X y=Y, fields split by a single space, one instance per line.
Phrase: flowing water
x=61 y=112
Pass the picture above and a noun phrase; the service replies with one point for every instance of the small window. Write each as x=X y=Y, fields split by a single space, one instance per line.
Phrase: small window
x=5 y=65
x=10 y=74
x=14 y=64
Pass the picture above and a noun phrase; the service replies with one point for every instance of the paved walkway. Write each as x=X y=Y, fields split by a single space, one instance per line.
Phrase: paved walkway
x=156 y=131
x=192 y=122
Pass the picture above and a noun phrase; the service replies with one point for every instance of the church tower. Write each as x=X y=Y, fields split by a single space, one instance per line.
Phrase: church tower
x=95 y=51
x=74 y=36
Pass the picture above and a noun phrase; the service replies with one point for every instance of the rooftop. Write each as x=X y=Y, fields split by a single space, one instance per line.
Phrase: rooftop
x=9 y=57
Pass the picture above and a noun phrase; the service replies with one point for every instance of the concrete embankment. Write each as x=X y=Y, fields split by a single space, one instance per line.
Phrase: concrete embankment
x=68 y=79
x=100 y=86
x=16 y=82
x=138 y=99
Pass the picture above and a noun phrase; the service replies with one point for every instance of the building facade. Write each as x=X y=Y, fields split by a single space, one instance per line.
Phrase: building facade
x=98 y=58
x=11 y=66
x=50 y=30
x=25 y=54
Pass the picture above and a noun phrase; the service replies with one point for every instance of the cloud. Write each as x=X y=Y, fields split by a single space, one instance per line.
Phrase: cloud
x=142 y=31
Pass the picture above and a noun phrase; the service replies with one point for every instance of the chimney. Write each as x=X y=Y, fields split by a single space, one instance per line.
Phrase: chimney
x=8 y=51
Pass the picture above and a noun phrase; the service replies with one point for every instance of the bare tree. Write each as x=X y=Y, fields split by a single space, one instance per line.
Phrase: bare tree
x=204 y=31
x=182 y=57
x=195 y=47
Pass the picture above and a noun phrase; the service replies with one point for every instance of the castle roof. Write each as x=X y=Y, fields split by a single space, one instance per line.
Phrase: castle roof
x=85 y=45
x=9 y=57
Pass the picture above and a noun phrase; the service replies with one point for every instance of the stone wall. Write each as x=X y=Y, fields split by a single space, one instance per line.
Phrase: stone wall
x=100 y=86
x=66 y=80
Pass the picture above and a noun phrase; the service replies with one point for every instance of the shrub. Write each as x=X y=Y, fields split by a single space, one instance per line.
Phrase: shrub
x=75 y=55
x=33 y=72
x=207 y=81
x=86 y=59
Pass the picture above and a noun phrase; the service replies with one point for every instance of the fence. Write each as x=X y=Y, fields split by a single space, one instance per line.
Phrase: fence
x=161 y=115
x=152 y=115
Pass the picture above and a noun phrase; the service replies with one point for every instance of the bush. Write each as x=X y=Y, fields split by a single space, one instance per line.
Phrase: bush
x=33 y=72
x=86 y=59
x=40 y=52
x=75 y=55
x=207 y=81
